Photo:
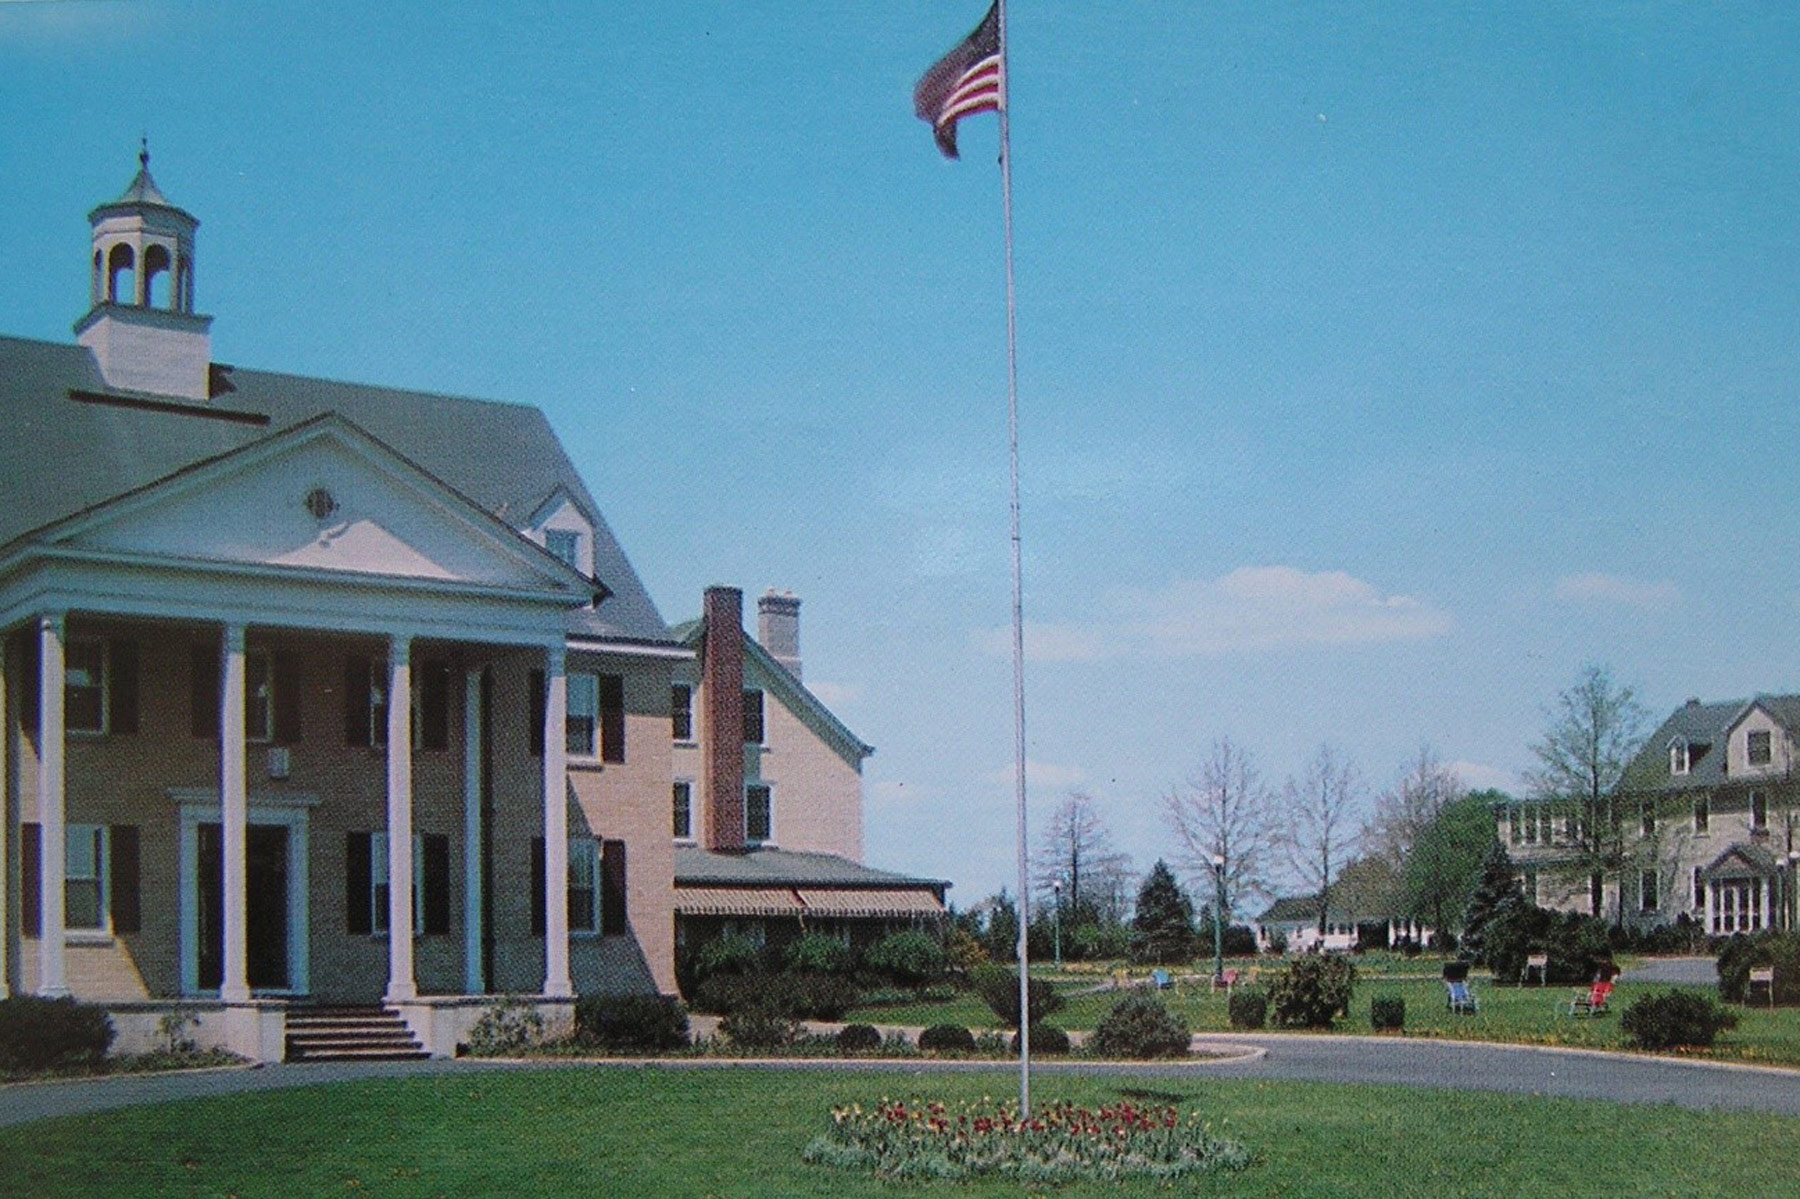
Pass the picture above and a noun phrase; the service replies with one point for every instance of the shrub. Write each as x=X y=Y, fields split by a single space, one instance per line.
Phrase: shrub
x=1278 y=941
x=41 y=1034
x=1238 y=941
x=1578 y=946
x=1778 y=949
x=1312 y=992
x=796 y=996
x=1045 y=1038
x=1388 y=1013
x=963 y=950
x=759 y=1028
x=999 y=987
x=509 y=1026
x=816 y=953
x=1139 y=1026
x=726 y=955
x=858 y=1038
x=631 y=1023
x=1675 y=1018
x=908 y=959
x=947 y=1038
x=1248 y=1007
x=1456 y=971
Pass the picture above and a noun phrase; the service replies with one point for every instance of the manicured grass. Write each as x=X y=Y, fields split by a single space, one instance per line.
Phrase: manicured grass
x=732 y=1132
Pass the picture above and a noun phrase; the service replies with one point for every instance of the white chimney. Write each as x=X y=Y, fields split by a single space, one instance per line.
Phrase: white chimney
x=778 y=628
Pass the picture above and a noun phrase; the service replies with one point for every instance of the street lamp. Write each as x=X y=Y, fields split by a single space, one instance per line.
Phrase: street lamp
x=1793 y=880
x=1056 y=920
x=1218 y=918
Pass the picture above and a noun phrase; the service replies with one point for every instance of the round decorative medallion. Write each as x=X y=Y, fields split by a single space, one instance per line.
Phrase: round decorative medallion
x=321 y=503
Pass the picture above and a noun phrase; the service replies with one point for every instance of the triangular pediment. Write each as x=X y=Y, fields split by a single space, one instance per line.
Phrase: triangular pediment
x=321 y=497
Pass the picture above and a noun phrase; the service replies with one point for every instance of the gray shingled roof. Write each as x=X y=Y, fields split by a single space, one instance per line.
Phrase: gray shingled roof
x=1704 y=727
x=699 y=867
x=62 y=455
x=1305 y=910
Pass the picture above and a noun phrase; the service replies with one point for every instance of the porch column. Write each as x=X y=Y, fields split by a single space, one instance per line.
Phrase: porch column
x=474 y=977
x=1712 y=907
x=557 y=983
x=401 y=986
x=234 y=821
x=53 y=976
x=1766 y=917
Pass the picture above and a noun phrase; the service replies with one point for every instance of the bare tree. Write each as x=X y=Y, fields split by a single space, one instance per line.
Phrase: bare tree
x=1321 y=811
x=1223 y=810
x=1594 y=732
x=1411 y=806
x=1076 y=849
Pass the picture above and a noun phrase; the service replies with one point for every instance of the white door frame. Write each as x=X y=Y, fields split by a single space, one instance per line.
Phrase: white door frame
x=286 y=811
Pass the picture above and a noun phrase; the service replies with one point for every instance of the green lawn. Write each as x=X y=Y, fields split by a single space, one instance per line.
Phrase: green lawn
x=658 y=1132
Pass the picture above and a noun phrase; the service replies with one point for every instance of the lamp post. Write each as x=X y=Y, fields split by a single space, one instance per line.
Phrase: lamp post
x=1793 y=882
x=1218 y=917
x=1056 y=920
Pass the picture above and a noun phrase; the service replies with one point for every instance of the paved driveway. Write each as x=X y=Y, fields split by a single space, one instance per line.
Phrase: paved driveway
x=1694 y=971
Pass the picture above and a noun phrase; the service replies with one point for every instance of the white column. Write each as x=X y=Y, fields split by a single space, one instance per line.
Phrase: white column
x=234 y=820
x=1763 y=917
x=401 y=985
x=474 y=978
x=53 y=976
x=1712 y=892
x=557 y=983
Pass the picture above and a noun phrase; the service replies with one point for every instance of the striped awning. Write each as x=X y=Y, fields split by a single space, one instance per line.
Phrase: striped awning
x=782 y=901
x=737 y=901
x=871 y=902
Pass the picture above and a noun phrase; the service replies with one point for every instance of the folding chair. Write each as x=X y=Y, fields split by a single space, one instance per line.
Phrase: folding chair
x=1539 y=962
x=1761 y=976
x=1459 y=998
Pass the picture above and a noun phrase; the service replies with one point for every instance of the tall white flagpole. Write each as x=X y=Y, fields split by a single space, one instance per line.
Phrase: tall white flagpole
x=1018 y=579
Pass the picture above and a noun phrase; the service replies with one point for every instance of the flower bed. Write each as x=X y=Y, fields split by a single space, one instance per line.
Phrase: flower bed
x=1059 y=1143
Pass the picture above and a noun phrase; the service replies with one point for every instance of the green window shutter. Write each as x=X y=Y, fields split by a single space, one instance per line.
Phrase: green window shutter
x=535 y=713
x=289 y=686
x=358 y=878
x=125 y=879
x=203 y=691
x=31 y=868
x=122 y=658
x=612 y=718
x=437 y=882
x=538 y=922
x=612 y=888
x=357 y=729
x=434 y=705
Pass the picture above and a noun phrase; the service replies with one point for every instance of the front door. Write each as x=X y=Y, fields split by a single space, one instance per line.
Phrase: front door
x=266 y=894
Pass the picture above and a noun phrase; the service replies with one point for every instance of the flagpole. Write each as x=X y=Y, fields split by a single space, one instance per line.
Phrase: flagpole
x=1018 y=580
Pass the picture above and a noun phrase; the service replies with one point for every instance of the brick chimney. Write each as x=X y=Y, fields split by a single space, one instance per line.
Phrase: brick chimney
x=778 y=628
x=722 y=717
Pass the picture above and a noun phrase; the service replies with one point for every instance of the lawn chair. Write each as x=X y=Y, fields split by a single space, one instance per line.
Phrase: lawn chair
x=1761 y=976
x=1459 y=998
x=1595 y=1001
x=1225 y=980
x=1160 y=980
x=1539 y=962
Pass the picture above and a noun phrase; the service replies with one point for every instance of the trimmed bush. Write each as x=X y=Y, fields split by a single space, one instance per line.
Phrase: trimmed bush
x=759 y=1028
x=1312 y=992
x=509 y=1026
x=1045 y=1038
x=947 y=1038
x=1248 y=1007
x=1238 y=941
x=1579 y=947
x=1139 y=1026
x=42 y=1034
x=1675 y=1019
x=999 y=987
x=858 y=1038
x=726 y=955
x=1778 y=949
x=1387 y=1013
x=631 y=1023
x=796 y=996
x=908 y=959
x=816 y=953
x=1278 y=941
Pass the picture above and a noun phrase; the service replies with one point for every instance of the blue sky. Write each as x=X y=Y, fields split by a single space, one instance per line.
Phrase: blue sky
x=1380 y=364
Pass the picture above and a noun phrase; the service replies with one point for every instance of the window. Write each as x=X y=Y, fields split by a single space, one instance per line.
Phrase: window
x=565 y=545
x=681 y=712
x=378 y=883
x=753 y=718
x=1531 y=826
x=1647 y=819
x=1702 y=814
x=1757 y=745
x=1516 y=824
x=1699 y=890
x=1647 y=891
x=1678 y=757
x=1759 y=812
x=259 y=696
x=584 y=714
x=584 y=885
x=84 y=876
x=684 y=810
x=759 y=812
x=366 y=701
x=84 y=686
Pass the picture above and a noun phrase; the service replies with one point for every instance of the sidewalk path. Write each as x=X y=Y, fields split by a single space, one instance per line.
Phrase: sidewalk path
x=1699 y=972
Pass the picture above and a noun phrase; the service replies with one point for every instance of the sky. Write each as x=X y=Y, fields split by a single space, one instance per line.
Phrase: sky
x=1380 y=364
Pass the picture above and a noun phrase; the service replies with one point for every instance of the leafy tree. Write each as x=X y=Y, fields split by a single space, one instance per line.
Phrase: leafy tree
x=1496 y=890
x=1077 y=851
x=1163 y=925
x=1320 y=809
x=1224 y=810
x=1595 y=728
x=1001 y=937
x=1446 y=860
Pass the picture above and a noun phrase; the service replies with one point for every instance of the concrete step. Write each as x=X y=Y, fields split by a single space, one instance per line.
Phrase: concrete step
x=342 y=1033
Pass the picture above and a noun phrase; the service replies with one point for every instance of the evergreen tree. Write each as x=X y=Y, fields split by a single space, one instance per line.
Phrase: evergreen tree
x=1497 y=888
x=1002 y=937
x=1162 y=930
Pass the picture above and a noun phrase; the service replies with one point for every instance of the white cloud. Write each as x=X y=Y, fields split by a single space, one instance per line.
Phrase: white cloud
x=1476 y=776
x=1596 y=587
x=1251 y=608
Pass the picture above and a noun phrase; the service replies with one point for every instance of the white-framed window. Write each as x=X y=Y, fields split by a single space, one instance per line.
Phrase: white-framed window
x=1516 y=825
x=85 y=878
x=85 y=681
x=1679 y=761
x=378 y=883
x=1531 y=825
x=1699 y=890
x=1647 y=819
x=1757 y=747
x=1759 y=811
x=259 y=696
x=681 y=711
x=584 y=885
x=753 y=717
x=564 y=545
x=682 y=798
x=583 y=714
x=1647 y=891
x=759 y=812
x=1702 y=815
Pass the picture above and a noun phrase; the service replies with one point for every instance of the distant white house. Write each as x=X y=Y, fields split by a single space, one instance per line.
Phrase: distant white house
x=1297 y=919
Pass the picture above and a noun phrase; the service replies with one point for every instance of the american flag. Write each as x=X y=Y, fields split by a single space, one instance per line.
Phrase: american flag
x=964 y=81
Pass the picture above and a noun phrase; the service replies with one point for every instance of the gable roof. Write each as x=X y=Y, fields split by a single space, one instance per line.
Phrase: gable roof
x=1705 y=727
x=789 y=690
x=74 y=444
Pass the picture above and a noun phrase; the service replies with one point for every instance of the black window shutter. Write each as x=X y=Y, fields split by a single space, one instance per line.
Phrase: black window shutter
x=203 y=691
x=434 y=705
x=356 y=701
x=753 y=717
x=26 y=654
x=537 y=887
x=31 y=896
x=126 y=909
x=289 y=684
x=539 y=704
x=123 y=690
x=612 y=882
x=437 y=882
x=612 y=718
x=358 y=880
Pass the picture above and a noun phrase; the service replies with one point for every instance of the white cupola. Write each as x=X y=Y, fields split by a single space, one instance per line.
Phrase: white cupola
x=142 y=327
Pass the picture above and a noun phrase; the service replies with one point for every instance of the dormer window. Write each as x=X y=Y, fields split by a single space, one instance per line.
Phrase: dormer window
x=1757 y=748
x=1679 y=760
x=564 y=545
